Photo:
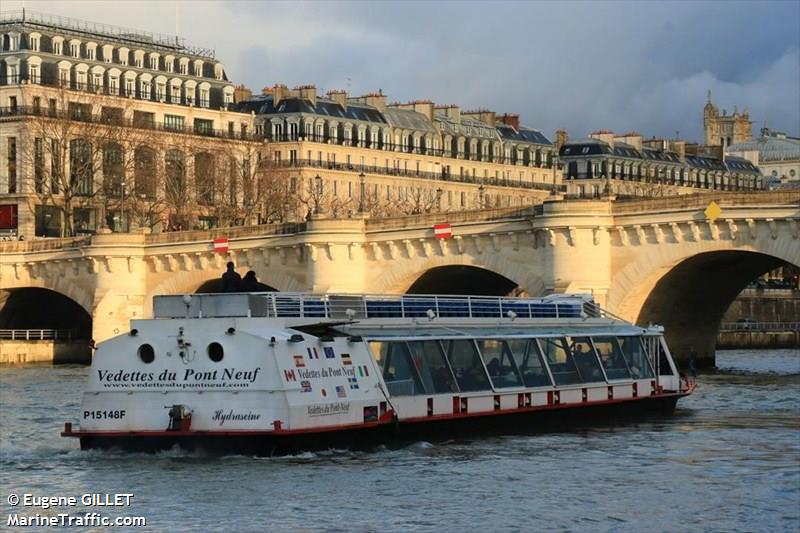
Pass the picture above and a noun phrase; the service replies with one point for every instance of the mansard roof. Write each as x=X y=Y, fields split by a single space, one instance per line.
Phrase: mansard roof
x=594 y=147
x=524 y=134
x=771 y=146
x=265 y=105
x=396 y=117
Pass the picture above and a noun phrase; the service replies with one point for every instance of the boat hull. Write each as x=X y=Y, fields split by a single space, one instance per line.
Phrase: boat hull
x=433 y=429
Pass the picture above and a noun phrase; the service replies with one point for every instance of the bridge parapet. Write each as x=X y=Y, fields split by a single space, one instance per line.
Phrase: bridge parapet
x=703 y=199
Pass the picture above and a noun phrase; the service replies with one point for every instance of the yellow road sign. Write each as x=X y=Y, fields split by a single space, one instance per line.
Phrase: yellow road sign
x=713 y=211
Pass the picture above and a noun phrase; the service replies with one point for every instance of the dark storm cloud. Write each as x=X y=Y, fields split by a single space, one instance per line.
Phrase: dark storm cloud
x=642 y=66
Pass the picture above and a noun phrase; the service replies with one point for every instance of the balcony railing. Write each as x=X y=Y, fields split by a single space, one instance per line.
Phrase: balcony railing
x=405 y=173
x=407 y=149
x=106 y=90
x=137 y=123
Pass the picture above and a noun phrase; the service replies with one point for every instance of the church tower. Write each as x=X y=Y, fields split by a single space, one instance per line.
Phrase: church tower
x=725 y=130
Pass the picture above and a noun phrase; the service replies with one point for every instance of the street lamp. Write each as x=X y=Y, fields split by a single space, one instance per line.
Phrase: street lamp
x=361 y=178
x=439 y=198
x=481 y=192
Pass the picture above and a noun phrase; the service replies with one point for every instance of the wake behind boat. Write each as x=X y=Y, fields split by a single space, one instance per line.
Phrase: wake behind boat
x=273 y=373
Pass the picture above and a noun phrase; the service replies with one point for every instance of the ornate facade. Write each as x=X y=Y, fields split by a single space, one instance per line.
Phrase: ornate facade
x=402 y=158
x=776 y=154
x=627 y=165
x=723 y=129
x=130 y=120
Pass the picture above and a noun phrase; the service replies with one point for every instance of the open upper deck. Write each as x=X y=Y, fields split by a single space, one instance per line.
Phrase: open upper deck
x=359 y=306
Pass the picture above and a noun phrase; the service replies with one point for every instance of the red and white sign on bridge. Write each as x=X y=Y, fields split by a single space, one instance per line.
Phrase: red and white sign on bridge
x=442 y=231
x=221 y=246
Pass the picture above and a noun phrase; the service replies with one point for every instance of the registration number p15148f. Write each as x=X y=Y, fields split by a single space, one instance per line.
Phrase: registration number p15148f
x=101 y=414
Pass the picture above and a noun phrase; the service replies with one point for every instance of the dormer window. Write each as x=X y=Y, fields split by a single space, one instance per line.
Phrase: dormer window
x=57 y=50
x=75 y=50
x=90 y=53
x=33 y=42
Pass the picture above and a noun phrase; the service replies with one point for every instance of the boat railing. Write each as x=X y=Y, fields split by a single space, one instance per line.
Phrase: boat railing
x=360 y=306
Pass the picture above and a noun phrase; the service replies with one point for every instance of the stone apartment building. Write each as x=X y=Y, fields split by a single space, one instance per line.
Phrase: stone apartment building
x=120 y=124
x=360 y=153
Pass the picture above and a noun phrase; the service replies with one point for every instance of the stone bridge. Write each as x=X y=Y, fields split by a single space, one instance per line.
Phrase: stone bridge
x=659 y=260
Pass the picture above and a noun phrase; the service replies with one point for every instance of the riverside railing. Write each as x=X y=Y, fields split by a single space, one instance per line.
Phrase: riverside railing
x=760 y=326
x=38 y=334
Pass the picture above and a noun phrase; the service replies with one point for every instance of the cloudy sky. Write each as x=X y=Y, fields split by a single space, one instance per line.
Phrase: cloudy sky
x=623 y=66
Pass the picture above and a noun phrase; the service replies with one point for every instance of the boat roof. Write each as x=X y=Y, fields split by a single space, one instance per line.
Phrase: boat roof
x=366 y=306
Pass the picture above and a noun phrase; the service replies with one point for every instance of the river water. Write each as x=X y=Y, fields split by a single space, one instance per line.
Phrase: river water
x=728 y=460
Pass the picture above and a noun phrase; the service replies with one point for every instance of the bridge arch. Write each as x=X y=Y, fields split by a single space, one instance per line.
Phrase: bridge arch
x=688 y=289
x=43 y=308
x=401 y=276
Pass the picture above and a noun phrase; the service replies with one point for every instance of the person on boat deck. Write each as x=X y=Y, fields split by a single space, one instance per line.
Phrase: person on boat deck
x=231 y=280
x=250 y=282
x=494 y=367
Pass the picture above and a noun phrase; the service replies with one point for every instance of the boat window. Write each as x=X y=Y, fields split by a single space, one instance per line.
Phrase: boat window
x=586 y=360
x=635 y=356
x=611 y=357
x=664 y=368
x=558 y=355
x=398 y=371
x=529 y=360
x=467 y=365
x=215 y=352
x=432 y=366
x=499 y=363
x=146 y=353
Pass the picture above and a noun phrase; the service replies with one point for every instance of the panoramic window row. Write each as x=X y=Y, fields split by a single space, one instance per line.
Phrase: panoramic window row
x=468 y=365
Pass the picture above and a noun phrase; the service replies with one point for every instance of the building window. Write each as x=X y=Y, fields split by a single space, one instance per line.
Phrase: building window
x=143 y=119
x=57 y=48
x=173 y=122
x=55 y=166
x=12 y=164
x=203 y=127
x=90 y=53
x=81 y=167
x=75 y=50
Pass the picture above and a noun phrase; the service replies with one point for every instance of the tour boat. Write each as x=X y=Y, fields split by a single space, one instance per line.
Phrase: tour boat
x=270 y=373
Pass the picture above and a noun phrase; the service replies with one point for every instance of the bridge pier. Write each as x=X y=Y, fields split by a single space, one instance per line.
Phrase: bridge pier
x=120 y=281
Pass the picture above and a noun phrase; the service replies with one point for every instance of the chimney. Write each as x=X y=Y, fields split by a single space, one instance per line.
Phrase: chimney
x=279 y=92
x=376 y=100
x=509 y=119
x=241 y=93
x=424 y=107
x=679 y=147
x=604 y=135
x=561 y=138
x=633 y=138
x=308 y=92
x=339 y=96
x=452 y=112
x=482 y=115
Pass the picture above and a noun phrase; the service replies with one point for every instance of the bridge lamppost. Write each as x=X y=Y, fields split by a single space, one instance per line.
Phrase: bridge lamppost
x=439 y=199
x=481 y=193
x=361 y=178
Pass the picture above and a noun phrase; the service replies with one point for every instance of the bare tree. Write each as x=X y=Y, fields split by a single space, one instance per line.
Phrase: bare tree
x=418 y=201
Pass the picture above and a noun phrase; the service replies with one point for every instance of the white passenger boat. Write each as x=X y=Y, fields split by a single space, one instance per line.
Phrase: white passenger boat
x=280 y=372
